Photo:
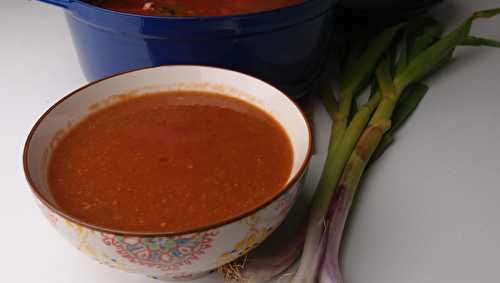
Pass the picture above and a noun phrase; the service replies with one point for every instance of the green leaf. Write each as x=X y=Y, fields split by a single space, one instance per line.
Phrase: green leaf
x=354 y=108
x=429 y=36
x=443 y=63
x=384 y=78
x=402 y=61
x=327 y=96
x=480 y=41
x=373 y=88
x=361 y=70
x=420 y=34
x=427 y=60
x=408 y=103
x=486 y=13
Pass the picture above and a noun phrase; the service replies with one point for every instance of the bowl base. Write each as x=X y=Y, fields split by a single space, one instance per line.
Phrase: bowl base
x=187 y=277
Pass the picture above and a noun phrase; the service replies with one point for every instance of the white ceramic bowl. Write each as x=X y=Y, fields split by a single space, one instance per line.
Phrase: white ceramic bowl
x=164 y=255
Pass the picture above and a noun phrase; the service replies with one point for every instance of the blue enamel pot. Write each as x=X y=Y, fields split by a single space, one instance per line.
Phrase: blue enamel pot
x=285 y=47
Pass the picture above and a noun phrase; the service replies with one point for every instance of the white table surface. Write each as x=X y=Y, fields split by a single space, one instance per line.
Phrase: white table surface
x=428 y=212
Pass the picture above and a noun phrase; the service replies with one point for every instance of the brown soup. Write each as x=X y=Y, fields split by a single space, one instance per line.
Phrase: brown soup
x=169 y=162
x=192 y=7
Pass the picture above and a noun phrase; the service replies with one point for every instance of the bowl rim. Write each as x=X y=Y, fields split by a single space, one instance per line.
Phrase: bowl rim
x=235 y=16
x=292 y=181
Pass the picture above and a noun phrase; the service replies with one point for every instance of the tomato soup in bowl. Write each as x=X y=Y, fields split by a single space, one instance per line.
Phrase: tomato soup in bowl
x=170 y=171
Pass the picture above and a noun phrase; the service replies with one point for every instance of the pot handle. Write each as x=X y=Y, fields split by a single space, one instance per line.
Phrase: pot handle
x=59 y=3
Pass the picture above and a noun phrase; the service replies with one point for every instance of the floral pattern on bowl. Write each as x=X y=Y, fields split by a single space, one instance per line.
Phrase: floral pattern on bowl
x=167 y=257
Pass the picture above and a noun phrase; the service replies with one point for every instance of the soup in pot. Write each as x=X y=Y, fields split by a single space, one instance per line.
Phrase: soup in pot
x=192 y=7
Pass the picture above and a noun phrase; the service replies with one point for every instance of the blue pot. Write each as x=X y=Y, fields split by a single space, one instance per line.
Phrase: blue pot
x=285 y=47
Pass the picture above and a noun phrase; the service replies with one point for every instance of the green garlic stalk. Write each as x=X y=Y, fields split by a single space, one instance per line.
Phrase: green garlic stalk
x=421 y=66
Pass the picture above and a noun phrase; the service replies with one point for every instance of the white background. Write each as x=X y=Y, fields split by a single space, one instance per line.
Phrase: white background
x=428 y=212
